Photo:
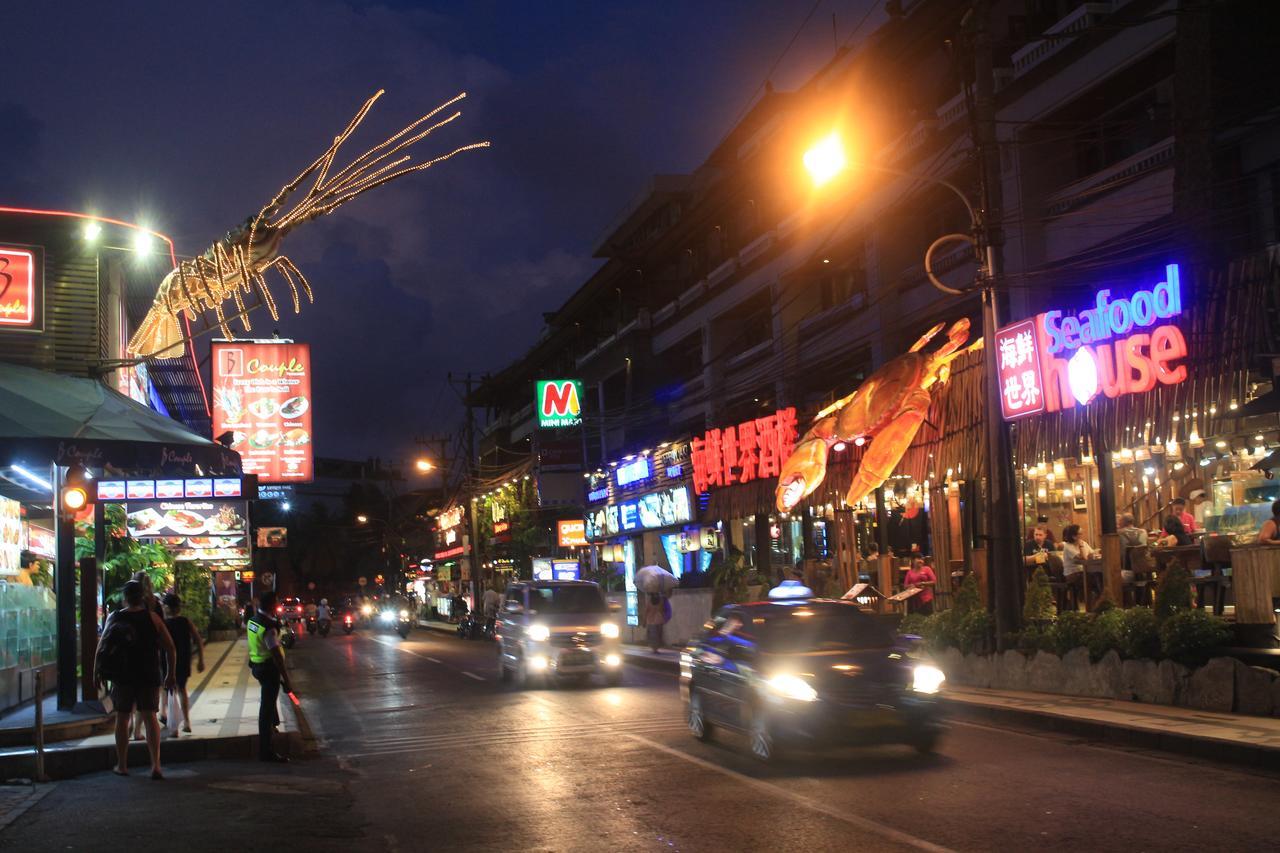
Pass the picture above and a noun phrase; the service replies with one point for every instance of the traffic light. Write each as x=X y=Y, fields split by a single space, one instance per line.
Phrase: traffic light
x=77 y=491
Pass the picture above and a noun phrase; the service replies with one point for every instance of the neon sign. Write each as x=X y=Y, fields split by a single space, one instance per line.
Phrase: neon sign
x=753 y=450
x=634 y=472
x=1053 y=362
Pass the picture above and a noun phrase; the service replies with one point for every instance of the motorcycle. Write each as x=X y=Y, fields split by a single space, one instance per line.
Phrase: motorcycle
x=312 y=623
x=323 y=627
x=467 y=627
x=288 y=637
x=404 y=625
x=348 y=623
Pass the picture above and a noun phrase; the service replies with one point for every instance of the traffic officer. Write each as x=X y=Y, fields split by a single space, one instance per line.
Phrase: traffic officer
x=266 y=661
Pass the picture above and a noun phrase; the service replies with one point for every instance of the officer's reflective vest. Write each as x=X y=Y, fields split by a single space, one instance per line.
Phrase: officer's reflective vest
x=257 y=635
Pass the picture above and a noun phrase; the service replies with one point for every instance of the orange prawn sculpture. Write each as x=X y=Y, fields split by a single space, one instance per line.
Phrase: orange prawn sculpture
x=236 y=265
x=886 y=410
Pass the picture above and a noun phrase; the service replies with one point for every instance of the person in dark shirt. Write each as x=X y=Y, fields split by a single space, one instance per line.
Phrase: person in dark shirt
x=138 y=685
x=184 y=634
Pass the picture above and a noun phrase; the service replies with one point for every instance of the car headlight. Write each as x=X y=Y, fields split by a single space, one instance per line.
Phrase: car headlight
x=792 y=687
x=388 y=616
x=613 y=660
x=538 y=633
x=609 y=629
x=366 y=610
x=404 y=614
x=927 y=679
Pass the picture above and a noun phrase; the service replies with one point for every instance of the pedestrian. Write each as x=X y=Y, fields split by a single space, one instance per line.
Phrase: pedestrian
x=920 y=577
x=152 y=604
x=184 y=634
x=129 y=658
x=266 y=661
x=1178 y=509
x=655 y=616
x=1270 y=532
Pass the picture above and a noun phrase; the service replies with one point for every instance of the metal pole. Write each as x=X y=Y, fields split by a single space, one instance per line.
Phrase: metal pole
x=88 y=625
x=39 y=730
x=64 y=583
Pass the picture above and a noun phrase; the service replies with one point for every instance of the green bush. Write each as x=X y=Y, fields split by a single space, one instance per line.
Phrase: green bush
x=1106 y=632
x=1189 y=636
x=1139 y=634
x=194 y=586
x=968 y=597
x=1174 y=592
x=1039 y=606
x=973 y=632
x=1071 y=631
x=1035 y=638
x=222 y=619
x=913 y=623
x=941 y=630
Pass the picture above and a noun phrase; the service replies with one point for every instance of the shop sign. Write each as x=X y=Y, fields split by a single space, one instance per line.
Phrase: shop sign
x=559 y=403
x=753 y=450
x=116 y=491
x=501 y=527
x=185 y=518
x=450 y=553
x=635 y=471
x=1053 y=362
x=40 y=541
x=273 y=537
x=571 y=533
x=497 y=511
x=21 y=289
x=246 y=577
x=545 y=569
x=657 y=509
x=262 y=396
x=450 y=518
x=599 y=494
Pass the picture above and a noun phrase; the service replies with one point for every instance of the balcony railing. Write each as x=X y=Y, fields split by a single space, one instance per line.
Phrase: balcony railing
x=1080 y=19
x=1086 y=189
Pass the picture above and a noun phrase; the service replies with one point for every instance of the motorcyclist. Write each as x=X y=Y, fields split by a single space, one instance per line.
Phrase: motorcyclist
x=322 y=612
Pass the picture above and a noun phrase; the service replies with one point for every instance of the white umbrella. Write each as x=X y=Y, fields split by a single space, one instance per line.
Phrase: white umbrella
x=655 y=579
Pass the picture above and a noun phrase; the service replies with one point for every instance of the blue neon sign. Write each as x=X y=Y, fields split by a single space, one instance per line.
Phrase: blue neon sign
x=634 y=472
x=1115 y=317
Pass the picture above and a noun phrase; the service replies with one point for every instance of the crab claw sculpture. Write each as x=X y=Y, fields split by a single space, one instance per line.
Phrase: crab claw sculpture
x=886 y=411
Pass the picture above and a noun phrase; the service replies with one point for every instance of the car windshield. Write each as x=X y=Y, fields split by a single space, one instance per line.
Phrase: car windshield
x=567 y=599
x=811 y=629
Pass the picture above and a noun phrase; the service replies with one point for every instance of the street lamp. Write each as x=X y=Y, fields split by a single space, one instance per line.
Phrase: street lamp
x=424 y=465
x=362 y=519
x=824 y=161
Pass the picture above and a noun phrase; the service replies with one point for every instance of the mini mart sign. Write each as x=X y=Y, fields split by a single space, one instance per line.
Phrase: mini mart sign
x=559 y=403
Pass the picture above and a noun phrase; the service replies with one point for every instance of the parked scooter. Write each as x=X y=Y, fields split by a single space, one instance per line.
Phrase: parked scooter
x=467 y=628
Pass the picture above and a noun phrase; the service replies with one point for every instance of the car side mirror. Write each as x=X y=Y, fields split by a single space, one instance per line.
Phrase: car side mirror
x=514 y=608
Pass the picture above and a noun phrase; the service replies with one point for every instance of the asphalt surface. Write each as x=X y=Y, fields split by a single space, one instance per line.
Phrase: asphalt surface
x=423 y=748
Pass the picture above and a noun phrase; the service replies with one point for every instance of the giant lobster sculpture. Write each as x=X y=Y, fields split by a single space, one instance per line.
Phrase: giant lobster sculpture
x=886 y=411
x=233 y=267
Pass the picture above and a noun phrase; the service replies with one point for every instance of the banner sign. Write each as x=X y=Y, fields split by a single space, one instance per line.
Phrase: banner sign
x=571 y=533
x=185 y=518
x=273 y=537
x=10 y=537
x=1117 y=346
x=545 y=569
x=21 y=289
x=450 y=553
x=658 y=509
x=559 y=403
x=753 y=450
x=450 y=518
x=116 y=491
x=262 y=396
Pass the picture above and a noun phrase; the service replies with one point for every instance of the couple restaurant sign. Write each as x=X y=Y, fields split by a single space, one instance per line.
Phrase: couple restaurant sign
x=1117 y=346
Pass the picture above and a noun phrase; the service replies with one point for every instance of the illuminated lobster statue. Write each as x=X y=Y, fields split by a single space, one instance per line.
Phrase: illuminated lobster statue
x=231 y=268
x=886 y=410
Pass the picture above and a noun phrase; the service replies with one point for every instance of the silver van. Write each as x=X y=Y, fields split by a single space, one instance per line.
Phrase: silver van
x=558 y=629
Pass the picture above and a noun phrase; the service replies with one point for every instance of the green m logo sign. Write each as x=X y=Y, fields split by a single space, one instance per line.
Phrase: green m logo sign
x=559 y=402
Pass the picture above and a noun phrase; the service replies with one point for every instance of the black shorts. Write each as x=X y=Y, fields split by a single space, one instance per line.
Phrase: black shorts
x=127 y=697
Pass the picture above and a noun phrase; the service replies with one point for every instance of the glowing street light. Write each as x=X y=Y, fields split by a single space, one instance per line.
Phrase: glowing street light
x=826 y=159
x=424 y=465
x=142 y=242
x=362 y=519
x=92 y=231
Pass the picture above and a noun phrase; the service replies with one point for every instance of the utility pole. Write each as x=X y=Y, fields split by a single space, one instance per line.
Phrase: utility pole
x=1002 y=555
x=470 y=438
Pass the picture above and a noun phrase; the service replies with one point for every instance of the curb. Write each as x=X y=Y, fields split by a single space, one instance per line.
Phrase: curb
x=669 y=664
x=1114 y=734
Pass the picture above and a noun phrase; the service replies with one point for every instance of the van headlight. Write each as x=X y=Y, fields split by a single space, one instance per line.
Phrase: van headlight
x=927 y=679
x=792 y=687
x=538 y=633
x=609 y=629
x=404 y=614
x=388 y=616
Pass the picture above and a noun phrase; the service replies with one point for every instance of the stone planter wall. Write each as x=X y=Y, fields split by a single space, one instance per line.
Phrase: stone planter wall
x=222 y=634
x=1223 y=684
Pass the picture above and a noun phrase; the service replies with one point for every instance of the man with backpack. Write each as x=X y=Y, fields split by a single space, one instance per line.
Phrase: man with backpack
x=129 y=658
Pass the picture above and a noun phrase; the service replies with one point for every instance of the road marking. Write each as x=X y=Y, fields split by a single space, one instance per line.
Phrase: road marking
x=433 y=660
x=776 y=790
x=471 y=742
x=377 y=742
x=473 y=675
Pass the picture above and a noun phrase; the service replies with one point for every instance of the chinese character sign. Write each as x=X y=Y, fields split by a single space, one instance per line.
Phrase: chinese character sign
x=1018 y=369
x=752 y=450
x=262 y=396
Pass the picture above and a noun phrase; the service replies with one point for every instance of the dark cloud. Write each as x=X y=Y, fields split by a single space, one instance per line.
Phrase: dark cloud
x=188 y=117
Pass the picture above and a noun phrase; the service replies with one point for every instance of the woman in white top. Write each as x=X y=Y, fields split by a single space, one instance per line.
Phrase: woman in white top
x=1074 y=550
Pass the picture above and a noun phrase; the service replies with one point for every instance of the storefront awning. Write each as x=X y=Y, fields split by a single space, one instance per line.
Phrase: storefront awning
x=46 y=417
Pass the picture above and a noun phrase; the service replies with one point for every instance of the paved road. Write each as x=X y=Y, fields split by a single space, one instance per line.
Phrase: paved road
x=426 y=749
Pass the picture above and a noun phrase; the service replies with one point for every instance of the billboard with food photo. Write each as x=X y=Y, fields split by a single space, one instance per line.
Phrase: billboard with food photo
x=262 y=397
x=148 y=519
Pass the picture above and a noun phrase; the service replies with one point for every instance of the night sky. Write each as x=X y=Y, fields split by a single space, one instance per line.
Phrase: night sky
x=189 y=120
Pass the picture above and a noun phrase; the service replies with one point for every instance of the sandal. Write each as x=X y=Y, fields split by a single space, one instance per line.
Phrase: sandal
x=157 y=776
x=119 y=772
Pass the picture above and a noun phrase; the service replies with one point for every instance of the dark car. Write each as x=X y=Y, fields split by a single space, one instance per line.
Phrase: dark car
x=810 y=671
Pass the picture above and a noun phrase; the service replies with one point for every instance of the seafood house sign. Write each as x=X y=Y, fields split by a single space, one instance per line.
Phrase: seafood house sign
x=1117 y=346
x=262 y=396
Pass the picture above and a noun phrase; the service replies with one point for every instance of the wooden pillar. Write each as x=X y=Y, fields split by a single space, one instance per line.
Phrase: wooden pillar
x=1112 y=562
x=1253 y=570
x=978 y=556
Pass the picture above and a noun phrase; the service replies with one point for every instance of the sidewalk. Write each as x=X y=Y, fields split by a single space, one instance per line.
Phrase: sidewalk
x=224 y=723
x=1232 y=738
